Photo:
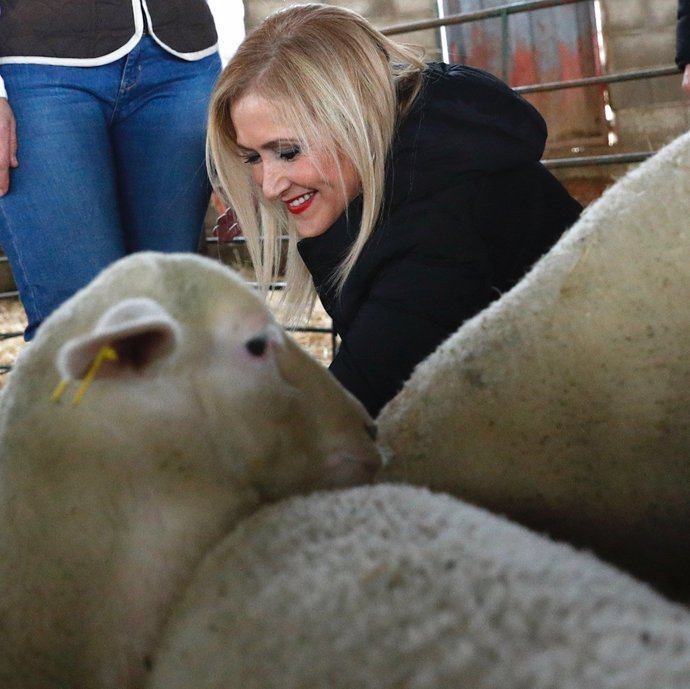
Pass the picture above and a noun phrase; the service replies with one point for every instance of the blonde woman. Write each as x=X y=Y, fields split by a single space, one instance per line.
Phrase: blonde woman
x=411 y=192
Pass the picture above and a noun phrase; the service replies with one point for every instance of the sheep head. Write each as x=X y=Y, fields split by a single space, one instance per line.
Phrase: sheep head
x=152 y=411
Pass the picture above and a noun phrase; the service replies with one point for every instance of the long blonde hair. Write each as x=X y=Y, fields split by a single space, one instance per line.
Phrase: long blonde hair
x=341 y=86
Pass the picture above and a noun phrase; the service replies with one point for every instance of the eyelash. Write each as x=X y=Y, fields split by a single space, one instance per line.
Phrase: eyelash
x=288 y=155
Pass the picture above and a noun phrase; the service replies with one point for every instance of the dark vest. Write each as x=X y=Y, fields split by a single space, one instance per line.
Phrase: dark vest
x=93 y=28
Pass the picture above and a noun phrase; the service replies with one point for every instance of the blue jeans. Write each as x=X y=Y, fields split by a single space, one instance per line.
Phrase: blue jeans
x=111 y=161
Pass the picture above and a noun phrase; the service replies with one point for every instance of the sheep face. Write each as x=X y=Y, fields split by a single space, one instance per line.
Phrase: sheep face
x=190 y=366
x=152 y=411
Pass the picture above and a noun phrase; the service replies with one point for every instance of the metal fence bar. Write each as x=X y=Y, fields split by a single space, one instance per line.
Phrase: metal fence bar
x=466 y=17
x=505 y=45
x=614 y=77
x=609 y=159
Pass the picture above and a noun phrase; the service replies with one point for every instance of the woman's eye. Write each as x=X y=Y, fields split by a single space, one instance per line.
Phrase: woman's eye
x=289 y=153
x=251 y=158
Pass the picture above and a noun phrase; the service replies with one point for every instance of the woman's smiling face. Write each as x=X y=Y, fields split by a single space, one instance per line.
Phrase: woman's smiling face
x=314 y=188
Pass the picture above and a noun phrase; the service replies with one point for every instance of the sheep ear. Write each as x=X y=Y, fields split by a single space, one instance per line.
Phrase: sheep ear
x=130 y=336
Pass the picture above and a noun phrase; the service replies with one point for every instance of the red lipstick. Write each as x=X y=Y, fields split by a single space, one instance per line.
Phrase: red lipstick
x=300 y=203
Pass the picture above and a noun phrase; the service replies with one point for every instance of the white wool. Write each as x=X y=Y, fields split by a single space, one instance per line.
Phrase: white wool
x=392 y=587
x=201 y=410
x=566 y=403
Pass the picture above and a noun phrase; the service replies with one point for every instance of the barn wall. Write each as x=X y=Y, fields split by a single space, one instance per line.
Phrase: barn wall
x=639 y=34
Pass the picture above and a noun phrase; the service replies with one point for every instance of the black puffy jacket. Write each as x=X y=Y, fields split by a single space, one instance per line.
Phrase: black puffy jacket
x=468 y=209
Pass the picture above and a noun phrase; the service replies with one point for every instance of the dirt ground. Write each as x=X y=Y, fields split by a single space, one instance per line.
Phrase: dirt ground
x=12 y=324
x=319 y=345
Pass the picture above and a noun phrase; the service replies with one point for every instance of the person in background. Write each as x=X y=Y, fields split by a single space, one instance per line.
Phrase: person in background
x=103 y=109
x=683 y=43
x=411 y=192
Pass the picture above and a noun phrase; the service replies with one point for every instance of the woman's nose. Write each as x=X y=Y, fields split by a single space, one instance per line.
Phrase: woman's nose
x=274 y=182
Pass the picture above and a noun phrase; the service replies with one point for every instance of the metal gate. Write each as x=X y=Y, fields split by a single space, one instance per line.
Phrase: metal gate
x=550 y=44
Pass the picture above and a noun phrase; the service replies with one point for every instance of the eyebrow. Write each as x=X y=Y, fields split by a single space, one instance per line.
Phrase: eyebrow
x=269 y=145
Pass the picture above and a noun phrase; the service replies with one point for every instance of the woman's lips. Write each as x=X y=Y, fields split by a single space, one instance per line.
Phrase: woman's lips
x=300 y=203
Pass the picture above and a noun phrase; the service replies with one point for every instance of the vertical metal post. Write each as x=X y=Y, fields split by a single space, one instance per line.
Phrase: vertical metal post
x=505 y=45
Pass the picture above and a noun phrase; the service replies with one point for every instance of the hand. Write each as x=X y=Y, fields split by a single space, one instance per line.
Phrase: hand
x=8 y=145
x=227 y=227
x=686 y=79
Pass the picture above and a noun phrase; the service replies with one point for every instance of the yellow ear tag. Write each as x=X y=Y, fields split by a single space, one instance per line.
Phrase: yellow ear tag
x=57 y=393
x=105 y=353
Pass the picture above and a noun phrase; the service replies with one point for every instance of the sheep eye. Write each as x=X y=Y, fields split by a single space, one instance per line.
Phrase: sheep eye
x=257 y=346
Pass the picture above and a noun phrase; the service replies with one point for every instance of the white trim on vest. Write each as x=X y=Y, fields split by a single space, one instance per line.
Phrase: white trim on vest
x=138 y=8
x=185 y=56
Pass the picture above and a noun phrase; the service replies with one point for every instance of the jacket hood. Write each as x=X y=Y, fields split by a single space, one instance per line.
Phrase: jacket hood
x=464 y=120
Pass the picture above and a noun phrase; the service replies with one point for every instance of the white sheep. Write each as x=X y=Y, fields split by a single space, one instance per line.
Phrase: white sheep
x=183 y=408
x=566 y=403
x=393 y=587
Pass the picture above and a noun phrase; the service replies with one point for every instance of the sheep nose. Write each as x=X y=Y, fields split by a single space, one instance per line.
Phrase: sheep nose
x=371 y=430
x=352 y=467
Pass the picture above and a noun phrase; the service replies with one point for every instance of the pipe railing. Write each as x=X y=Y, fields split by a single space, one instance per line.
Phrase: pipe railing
x=476 y=15
x=503 y=12
x=612 y=78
